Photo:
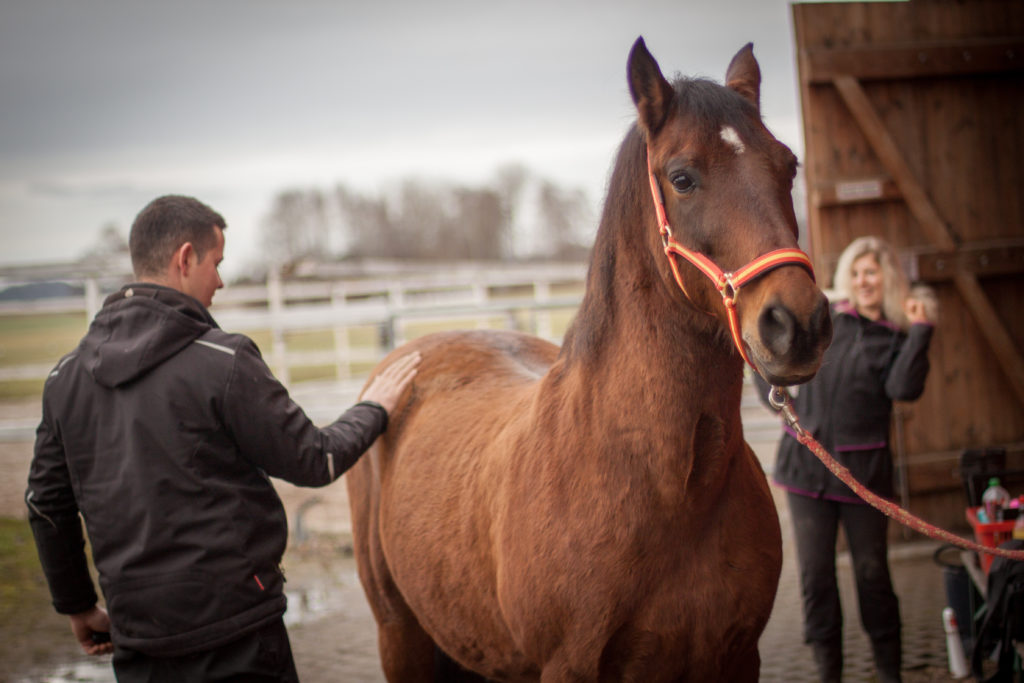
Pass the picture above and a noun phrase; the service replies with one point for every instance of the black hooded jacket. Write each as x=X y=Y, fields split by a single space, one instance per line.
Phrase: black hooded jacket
x=162 y=431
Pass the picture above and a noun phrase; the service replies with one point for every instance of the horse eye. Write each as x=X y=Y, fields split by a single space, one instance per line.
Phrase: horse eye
x=683 y=183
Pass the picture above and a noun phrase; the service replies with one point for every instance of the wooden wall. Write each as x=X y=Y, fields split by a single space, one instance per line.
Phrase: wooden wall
x=914 y=131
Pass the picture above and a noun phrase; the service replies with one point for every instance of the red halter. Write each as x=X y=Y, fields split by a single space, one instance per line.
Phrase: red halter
x=728 y=284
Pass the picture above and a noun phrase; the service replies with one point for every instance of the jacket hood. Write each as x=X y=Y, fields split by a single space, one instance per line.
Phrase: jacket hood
x=138 y=328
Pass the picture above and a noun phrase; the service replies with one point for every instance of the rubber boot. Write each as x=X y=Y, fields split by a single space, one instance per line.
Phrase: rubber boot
x=828 y=656
x=888 y=655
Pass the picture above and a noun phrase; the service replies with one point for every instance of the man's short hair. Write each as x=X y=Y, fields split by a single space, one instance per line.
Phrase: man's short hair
x=164 y=225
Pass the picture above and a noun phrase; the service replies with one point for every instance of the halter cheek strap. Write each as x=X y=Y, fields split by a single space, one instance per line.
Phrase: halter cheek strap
x=728 y=284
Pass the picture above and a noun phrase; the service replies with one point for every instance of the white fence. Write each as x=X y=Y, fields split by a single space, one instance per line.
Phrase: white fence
x=524 y=296
x=466 y=298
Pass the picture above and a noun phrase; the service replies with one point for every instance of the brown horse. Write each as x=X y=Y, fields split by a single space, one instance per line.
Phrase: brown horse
x=593 y=513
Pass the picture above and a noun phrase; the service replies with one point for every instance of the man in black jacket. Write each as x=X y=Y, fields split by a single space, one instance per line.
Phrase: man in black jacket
x=162 y=431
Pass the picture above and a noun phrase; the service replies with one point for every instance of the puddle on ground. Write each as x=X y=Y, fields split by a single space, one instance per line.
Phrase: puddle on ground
x=92 y=670
x=316 y=589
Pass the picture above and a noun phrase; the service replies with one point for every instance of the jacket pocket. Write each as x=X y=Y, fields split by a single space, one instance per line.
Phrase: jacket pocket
x=164 y=605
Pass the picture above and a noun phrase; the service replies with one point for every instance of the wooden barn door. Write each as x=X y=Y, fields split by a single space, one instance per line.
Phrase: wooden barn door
x=914 y=131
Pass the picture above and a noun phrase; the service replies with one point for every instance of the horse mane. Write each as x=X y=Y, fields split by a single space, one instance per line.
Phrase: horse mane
x=628 y=196
x=595 y=316
x=702 y=99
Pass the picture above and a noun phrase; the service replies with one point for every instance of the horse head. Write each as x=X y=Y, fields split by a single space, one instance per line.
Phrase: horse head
x=721 y=188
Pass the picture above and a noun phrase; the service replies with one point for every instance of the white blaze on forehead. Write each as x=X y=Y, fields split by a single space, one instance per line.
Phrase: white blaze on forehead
x=730 y=135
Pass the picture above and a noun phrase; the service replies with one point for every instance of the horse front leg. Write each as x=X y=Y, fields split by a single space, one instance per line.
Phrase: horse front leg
x=559 y=669
x=746 y=668
x=447 y=670
x=406 y=652
x=552 y=674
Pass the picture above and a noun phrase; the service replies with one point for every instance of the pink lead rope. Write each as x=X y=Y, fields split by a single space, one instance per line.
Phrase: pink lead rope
x=780 y=400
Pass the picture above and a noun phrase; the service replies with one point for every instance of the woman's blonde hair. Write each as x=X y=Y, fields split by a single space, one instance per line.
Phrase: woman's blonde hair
x=894 y=281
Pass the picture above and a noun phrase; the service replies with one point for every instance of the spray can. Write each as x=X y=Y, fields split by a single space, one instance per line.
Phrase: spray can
x=995 y=499
x=954 y=646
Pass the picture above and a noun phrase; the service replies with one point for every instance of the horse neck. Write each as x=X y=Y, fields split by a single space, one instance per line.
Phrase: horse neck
x=657 y=352
x=653 y=406
x=636 y=341
x=649 y=390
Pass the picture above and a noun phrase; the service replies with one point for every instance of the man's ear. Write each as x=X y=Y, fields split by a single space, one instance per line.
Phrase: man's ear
x=182 y=262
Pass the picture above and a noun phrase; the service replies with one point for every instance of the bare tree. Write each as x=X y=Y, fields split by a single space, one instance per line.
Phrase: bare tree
x=480 y=224
x=427 y=221
x=510 y=181
x=422 y=220
x=367 y=222
x=297 y=226
x=110 y=242
x=562 y=212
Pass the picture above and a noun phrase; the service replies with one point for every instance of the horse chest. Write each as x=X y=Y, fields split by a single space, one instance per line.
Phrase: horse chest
x=682 y=616
x=647 y=564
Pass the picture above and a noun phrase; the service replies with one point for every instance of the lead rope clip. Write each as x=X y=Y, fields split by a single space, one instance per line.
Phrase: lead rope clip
x=779 y=399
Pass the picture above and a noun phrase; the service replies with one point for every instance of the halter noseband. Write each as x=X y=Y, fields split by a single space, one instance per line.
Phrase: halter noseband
x=728 y=284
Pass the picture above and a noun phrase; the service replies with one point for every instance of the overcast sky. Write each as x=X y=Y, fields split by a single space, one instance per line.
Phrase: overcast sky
x=109 y=103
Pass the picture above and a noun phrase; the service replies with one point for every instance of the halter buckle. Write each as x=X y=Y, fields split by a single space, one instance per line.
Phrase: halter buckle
x=729 y=291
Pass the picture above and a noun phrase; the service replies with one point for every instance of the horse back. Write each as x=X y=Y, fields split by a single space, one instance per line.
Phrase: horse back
x=463 y=370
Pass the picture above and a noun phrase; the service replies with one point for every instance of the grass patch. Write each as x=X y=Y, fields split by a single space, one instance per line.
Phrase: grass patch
x=40 y=340
x=44 y=338
x=263 y=339
x=18 y=559
x=34 y=637
x=20 y=389
x=308 y=373
x=314 y=340
x=22 y=584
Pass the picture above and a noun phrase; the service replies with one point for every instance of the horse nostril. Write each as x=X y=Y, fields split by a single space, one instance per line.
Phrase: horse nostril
x=777 y=327
x=821 y=323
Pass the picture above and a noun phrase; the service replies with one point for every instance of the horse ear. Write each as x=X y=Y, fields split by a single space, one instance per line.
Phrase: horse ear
x=651 y=93
x=744 y=76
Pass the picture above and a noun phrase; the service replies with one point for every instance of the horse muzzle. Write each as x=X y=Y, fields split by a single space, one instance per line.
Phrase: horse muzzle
x=788 y=347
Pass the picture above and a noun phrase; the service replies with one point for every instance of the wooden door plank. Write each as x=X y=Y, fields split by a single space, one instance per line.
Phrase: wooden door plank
x=934 y=226
x=889 y=154
x=993 y=330
x=918 y=59
x=984 y=259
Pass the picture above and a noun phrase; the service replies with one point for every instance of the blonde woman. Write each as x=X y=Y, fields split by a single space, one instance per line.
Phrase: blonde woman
x=878 y=355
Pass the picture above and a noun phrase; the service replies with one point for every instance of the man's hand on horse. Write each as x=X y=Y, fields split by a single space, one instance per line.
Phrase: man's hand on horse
x=387 y=387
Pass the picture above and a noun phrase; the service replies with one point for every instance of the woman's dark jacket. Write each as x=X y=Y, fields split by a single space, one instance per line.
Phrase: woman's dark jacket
x=847 y=407
x=162 y=431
